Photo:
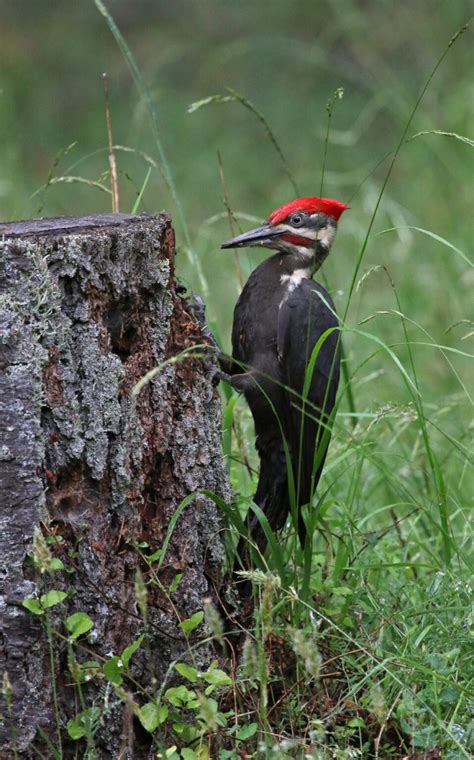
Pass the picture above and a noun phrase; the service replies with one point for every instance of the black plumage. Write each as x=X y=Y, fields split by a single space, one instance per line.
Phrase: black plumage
x=286 y=357
x=271 y=355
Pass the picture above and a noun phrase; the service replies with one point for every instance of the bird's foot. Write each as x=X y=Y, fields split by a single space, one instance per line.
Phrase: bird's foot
x=212 y=353
x=197 y=308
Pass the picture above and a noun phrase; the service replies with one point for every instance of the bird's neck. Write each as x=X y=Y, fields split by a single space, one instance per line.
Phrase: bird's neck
x=303 y=259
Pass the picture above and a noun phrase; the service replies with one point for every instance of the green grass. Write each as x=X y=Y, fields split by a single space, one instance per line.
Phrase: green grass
x=362 y=647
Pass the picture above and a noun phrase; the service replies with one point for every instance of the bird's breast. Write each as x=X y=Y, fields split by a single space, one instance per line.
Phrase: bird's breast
x=290 y=281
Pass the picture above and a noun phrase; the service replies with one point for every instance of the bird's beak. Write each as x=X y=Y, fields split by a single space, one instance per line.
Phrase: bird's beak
x=263 y=236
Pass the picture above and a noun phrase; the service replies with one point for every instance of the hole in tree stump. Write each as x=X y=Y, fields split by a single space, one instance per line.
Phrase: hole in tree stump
x=121 y=327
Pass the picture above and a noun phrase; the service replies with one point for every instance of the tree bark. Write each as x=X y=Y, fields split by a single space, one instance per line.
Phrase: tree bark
x=87 y=307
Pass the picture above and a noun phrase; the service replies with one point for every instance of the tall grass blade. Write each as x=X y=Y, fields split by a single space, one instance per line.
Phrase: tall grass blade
x=454 y=135
x=172 y=524
x=433 y=235
x=139 y=198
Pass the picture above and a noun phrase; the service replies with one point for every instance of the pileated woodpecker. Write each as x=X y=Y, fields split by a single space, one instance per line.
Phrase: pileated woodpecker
x=281 y=315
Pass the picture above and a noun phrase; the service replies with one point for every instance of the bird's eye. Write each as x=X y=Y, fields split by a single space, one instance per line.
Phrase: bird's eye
x=297 y=220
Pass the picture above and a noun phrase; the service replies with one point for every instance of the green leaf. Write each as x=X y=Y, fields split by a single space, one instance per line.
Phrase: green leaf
x=175 y=582
x=113 y=670
x=33 y=604
x=202 y=753
x=247 y=731
x=83 y=724
x=188 y=754
x=154 y=557
x=131 y=649
x=217 y=677
x=180 y=696
x=191 y=623
x=77 y=624
x=152 y=715
x=356 y=723
x=56 y=564
x=75 y=729
x=187 y=672
x=52 y=598
x=57 y=539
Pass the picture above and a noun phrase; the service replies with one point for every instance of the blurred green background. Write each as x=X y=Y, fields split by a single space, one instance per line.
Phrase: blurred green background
x=288 y=58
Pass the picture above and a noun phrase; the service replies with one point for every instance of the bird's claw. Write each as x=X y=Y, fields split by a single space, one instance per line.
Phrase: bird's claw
x=210 y=347
x=197 y=308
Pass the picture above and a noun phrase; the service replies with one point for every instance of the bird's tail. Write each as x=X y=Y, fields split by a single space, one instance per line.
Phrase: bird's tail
x=308 y=455
x=271 y=495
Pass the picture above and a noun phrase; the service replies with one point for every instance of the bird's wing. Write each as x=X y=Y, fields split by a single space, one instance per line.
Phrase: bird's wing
x=303 y=319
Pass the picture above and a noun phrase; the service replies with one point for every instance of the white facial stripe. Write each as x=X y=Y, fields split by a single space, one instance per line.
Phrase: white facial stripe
x=306 y=232
x=326 y=235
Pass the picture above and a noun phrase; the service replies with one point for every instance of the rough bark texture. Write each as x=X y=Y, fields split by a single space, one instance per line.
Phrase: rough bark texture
x=87 y=307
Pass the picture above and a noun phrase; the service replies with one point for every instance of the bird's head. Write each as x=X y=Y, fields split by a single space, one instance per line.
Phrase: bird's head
x=304 y=227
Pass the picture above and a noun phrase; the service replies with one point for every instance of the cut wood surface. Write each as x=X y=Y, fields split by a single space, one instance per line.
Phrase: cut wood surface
x=87 y=307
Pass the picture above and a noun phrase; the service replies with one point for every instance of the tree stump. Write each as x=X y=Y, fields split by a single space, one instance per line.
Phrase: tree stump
x=91 y=475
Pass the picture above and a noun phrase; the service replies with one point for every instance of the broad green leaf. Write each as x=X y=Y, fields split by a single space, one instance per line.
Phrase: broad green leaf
x=113 y=670
x=75 y=729
x=77 y=624
x=191 y=623
x=33 y=604
x=180 y=696
x=356 y=723
x=152 y=715
x=187 y=672
x=52 y=598
x=247 y=731
x=82 y=724
x=56 y=564
x=202 y=753
x=217 y=677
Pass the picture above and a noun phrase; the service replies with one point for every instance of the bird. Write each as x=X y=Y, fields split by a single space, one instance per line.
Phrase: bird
x=282 y=314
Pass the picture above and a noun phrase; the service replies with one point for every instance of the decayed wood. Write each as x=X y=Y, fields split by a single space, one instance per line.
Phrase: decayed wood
x=87 y=307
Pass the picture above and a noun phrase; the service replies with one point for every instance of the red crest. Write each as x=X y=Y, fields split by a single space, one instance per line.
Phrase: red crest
x=327 y=206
